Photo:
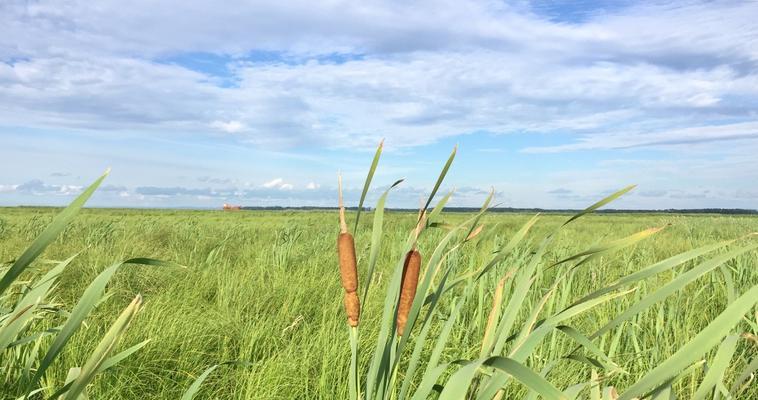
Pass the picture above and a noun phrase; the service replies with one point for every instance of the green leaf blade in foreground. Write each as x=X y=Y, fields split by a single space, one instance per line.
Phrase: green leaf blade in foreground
x=695 y=348
x=458 y=384
x=376 y=238
x=195 y=387
x=675 y=285
x=103 y=350
x=81 y=310
x=441 y=178
x=716 y=371
x=367 y=183
x=48 y=235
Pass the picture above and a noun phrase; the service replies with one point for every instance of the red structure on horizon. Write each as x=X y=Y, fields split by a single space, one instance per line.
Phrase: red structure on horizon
x=230 y=207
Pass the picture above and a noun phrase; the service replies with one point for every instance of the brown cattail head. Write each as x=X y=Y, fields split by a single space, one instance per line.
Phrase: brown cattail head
x=348 y=268
x=352 y=308
x=411 y=270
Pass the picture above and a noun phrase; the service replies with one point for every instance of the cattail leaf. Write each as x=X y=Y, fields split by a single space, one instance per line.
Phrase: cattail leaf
x=675 y=285
x=612 y=245
x=458 y=384
x=744 y=376
x=117 y=358
x=655 y=269
x=48 y=235
x=439 y=181
x=421 y=340
x=717 y=368
x=585 y=342
x=376 y=378
x=437 y=210
x=599 y=204
x=695 y=348
x=367 y=183
x=497 y=380
x=376 y=238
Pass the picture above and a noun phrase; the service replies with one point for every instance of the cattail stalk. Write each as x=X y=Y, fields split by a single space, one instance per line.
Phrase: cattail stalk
x=348 y=266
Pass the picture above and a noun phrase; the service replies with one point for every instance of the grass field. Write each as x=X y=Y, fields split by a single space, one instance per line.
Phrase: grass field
x=264 y=287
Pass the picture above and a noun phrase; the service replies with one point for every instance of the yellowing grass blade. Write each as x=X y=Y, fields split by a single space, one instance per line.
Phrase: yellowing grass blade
x=103 y=350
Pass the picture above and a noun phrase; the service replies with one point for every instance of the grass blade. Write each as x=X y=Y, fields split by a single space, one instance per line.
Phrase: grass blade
x=695 y=348
x=48 y=235
x=367 y=183
x=439 y=181
x=717 y=368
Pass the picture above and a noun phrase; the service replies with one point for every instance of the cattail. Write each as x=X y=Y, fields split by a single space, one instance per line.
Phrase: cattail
x=346 y=250
x=408 y=288
x=348 y=266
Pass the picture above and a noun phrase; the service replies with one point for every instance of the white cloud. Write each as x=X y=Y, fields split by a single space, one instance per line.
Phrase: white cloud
x=273 y=183
x=412 y=75
x=228 y=127
x=278 y=183
x=8 y=188
x=673 y=137
x=312 y=186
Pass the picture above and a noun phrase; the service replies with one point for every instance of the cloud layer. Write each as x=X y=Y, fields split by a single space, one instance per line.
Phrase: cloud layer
x=652 y=87
x=352 y=72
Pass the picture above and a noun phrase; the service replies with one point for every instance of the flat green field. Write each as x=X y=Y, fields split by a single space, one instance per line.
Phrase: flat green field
x=264 y=287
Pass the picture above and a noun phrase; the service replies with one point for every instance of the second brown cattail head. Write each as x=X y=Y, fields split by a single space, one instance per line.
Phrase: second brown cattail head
x=411 y=269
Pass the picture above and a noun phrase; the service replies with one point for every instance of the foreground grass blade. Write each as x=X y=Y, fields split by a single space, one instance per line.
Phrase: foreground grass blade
x=457 y=386
x=717 y=368
x=81 y=310
x=695 y=348
x=195 y=386
x=367 y=183
x=655 y=269
x=675 y=285
x=115 y=359
x=376 y=239
x=103 y=350
x=48 y=235
x=25 y=308
x=439 y=181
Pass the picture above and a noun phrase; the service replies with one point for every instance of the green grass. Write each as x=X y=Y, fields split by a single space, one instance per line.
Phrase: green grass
x=264 y=287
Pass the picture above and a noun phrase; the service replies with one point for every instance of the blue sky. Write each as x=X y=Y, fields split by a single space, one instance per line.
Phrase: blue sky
x=553 y=104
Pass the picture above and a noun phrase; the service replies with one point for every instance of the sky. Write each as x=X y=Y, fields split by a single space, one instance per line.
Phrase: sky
x=552 y=104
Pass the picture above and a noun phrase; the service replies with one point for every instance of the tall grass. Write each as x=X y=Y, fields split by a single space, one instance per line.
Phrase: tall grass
x=263 y=287
x=524 y=317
